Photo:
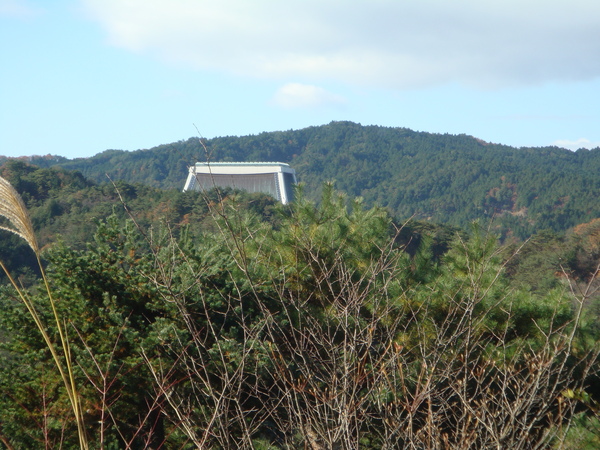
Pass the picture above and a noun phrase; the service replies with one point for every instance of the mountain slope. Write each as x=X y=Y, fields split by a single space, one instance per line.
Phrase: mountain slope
x=444 y=178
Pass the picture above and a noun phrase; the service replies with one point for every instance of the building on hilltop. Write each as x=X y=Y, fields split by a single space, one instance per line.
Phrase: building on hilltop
x=273 y=178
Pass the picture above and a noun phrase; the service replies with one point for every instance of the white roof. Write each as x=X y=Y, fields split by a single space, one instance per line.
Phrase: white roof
x=241 y=167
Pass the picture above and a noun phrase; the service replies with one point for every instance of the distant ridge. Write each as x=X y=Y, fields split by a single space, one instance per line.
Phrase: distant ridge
x=445 y=178
x=37 y=160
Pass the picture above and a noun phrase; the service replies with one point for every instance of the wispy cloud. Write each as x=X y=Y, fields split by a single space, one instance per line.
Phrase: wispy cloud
x=576 y=144
x=297 y=95
x=383 y=43
x=18 y=9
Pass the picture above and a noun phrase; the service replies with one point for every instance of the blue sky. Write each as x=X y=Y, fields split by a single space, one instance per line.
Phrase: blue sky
x=82 y=76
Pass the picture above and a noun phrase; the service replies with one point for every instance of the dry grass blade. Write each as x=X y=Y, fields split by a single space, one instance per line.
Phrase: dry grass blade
x=13 y=208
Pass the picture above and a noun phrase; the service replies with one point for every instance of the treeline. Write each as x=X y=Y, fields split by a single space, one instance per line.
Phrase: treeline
x=443 y=178
x=65 y=206
x=225 y=320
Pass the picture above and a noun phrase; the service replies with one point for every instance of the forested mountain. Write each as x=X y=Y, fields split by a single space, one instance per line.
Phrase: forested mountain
x=226 y=320
x=444 y=178
x=65 y=206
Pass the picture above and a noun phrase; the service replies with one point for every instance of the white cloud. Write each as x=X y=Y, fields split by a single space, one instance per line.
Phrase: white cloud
x=384 y=43
x=18 y=9
x=297 y=95
x=577 y=144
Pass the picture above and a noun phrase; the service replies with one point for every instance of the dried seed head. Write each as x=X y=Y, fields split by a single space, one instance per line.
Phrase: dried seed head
x=13 y=208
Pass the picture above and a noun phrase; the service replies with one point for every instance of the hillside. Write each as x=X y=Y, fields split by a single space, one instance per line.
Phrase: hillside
x=443 y=178
x=244 y=312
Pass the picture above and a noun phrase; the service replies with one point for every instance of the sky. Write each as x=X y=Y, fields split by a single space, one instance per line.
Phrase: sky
x=78 y=77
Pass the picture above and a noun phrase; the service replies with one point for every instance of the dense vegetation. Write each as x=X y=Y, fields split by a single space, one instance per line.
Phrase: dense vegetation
x=224 y=320
x=444 y=178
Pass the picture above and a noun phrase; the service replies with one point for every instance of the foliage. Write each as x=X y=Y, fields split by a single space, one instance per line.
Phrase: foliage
x=443 y=178
x=223 y=319
x=13 y=210
x=241 y=323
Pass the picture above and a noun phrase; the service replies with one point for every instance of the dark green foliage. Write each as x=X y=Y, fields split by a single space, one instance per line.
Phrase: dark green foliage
x=110 y=312
x=444 y=178
x=225 y=320
x=65 y=206
x=37 y=185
